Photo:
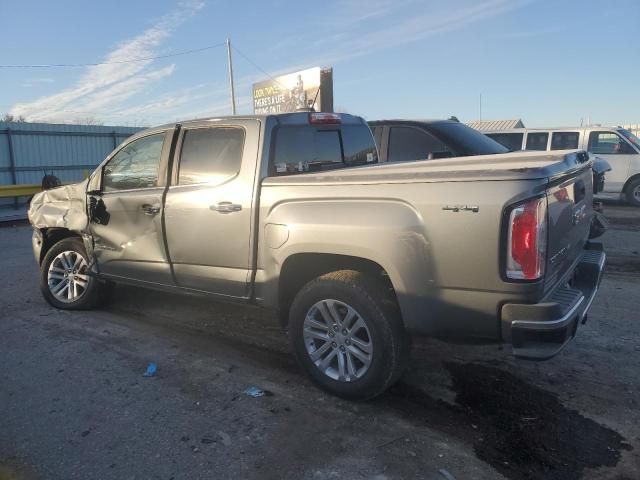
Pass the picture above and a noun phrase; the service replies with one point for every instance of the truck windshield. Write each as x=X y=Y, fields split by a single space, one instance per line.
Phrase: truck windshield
x=307 y=148
x=630 y=136
x=465 y=140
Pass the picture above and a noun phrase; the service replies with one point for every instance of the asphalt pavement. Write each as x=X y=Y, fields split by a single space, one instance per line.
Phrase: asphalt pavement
x=74 y=403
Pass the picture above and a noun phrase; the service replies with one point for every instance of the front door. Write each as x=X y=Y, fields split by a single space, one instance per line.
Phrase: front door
x=126 y=213
x=208 y=207
x=615 y=150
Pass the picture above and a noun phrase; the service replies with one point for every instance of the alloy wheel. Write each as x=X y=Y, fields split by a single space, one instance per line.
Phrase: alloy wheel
x=68 y=277
x=338 y=340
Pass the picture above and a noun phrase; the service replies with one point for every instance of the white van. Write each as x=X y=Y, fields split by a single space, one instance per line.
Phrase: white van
x=616 y=145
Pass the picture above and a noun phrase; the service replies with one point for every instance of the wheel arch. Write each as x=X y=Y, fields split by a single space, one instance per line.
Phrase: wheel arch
x=51 y=236
x=629 y=181
x=300 y=268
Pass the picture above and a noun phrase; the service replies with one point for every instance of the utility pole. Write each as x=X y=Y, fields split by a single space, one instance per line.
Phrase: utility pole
x=233 y=92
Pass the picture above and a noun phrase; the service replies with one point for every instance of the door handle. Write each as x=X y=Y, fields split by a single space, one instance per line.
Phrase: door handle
x=150 y=209
x=226 y=207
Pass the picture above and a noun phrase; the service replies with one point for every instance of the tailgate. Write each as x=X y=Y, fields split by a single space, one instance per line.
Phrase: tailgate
x=570 y=205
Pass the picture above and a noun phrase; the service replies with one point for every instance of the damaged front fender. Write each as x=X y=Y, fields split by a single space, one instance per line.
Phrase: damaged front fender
x=62 y=207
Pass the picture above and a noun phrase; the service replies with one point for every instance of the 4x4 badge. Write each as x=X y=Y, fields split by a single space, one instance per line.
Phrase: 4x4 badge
x=465 y=208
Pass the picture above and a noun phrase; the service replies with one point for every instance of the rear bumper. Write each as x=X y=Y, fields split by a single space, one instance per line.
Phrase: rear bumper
x=541 y=330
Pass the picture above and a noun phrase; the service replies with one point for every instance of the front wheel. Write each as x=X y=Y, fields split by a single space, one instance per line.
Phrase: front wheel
x=65 y=280
x=347 y=335
x=632 y=192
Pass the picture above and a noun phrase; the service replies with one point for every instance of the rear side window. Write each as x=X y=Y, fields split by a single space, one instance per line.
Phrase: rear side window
x=537 y=141
x=407 y=143
x=564 y=140
x=513 y=141
x=210 y=155
x=303 y=148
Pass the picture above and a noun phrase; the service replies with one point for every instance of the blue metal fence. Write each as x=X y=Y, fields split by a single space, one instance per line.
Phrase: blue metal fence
x=28 y=150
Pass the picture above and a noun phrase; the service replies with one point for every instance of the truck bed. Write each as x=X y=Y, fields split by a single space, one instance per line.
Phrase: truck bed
x=510 y=166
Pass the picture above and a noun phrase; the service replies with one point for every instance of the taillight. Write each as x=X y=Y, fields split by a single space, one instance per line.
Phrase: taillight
x=527 y=240
x=322 y=118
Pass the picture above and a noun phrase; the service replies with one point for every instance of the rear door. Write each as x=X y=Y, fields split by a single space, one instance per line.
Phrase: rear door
x=610 y=146
x=208 y=206
x=127 y=211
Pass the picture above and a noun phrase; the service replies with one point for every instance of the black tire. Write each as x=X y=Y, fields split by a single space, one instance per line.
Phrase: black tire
x=96 y=291
x=390 y=345
x=633 y=187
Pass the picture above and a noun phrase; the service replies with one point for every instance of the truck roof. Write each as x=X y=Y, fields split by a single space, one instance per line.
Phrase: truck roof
x=295 y=118
x=553 y=129
x=416 y=121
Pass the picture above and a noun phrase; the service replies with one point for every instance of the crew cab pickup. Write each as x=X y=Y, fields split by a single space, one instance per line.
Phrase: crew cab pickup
x=293 y=212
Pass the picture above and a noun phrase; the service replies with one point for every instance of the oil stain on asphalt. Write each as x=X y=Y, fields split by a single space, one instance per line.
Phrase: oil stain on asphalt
x=521 y=430
x=527 y=432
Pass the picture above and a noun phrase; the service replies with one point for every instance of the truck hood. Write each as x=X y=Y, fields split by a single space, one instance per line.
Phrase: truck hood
x=521 y=165
x=63 y=207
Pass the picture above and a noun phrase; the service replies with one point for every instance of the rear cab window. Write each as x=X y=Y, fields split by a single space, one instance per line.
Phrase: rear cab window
x=312 y=148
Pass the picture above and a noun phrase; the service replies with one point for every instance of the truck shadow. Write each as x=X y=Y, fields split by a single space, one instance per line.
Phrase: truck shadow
x=521 y=430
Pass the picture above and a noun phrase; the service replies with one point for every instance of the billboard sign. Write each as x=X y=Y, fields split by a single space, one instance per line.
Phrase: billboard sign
x=311 y=88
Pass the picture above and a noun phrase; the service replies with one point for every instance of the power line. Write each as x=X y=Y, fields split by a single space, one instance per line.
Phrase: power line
x=257 y=66
x=133 y=60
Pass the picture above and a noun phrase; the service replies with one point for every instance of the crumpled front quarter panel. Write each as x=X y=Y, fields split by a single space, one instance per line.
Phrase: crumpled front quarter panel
x=62 y=207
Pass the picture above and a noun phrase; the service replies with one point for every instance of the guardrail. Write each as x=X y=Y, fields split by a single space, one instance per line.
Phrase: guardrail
x=29 y=150
x=10 y=191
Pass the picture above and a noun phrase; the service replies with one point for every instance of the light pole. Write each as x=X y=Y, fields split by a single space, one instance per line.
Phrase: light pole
x=231 y=86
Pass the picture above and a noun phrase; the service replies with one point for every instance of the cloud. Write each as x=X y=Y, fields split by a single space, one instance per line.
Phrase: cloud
x=383 y=26
x=532 y=33
x=105 y=85
x=30 y=82
x=187 y=98
x=422 y=24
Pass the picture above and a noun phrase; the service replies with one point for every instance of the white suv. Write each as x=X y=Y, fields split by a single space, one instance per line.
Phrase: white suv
x=616 y=145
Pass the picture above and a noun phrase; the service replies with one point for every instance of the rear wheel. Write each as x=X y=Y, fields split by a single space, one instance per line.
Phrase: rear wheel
x=347 y=335
x=65 y=280
x=632 y=192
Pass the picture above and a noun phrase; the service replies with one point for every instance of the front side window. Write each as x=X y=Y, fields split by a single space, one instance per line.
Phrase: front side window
x=407 y=143
x=537 y=141
x=630 y=136
x=608 y=143
x=564 y=140
x=135 y=166
x=210 y=155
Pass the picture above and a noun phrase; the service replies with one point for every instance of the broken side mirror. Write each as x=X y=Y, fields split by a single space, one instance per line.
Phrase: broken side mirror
x=97 y=210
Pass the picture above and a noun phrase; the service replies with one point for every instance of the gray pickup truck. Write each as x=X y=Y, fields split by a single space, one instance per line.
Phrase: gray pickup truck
x=293 y=212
